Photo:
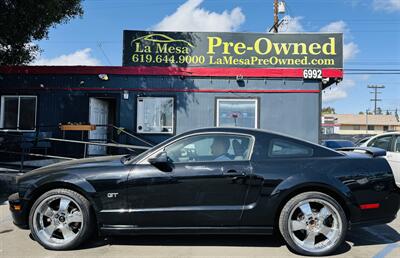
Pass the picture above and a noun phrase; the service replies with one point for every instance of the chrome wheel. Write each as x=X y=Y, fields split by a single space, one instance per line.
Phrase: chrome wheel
x=57 y=220
x=315 y=225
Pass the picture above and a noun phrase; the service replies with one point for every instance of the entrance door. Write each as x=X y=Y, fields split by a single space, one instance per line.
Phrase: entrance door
x=98 y=115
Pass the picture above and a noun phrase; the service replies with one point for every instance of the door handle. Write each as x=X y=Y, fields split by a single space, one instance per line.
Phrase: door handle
x=233 y=172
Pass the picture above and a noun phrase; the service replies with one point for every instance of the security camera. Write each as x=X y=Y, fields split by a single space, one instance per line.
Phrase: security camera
x=103 y=77
x=239 y=77
x=325 y=80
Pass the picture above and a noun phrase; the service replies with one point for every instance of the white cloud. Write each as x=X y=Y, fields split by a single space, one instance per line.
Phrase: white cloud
x=386 y=5
x=333 y=93
x=79 y=57
x=292 y=24
x=350 y=49
x=190 y=17
x=337 y=26
x=340 y=91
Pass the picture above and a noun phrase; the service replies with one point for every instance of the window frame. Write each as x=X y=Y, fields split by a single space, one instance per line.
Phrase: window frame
x=394 y=140
x=271 y=142
x=3 y=97
x=173 y=114
x=391 y=142
x=257 y=108
x=144 y=160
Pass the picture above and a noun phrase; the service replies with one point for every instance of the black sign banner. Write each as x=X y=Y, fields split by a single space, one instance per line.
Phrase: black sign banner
x=241 y=50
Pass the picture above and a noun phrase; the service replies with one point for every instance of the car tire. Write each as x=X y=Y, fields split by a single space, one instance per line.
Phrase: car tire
x=313 y=223
x=61 y=219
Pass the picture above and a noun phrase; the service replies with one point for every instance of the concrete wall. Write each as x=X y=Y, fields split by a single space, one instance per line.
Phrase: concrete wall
x=349 y=129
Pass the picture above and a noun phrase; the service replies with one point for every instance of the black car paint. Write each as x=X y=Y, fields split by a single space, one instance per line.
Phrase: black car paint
x=204 y=197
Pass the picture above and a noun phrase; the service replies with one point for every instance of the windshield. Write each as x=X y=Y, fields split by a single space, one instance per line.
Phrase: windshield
x=131 y=158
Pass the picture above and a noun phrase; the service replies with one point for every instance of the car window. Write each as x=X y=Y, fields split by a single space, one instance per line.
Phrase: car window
x=285 y=148
x=382 y=142
x=397 y=144
x=360 y=142
x=210 y=147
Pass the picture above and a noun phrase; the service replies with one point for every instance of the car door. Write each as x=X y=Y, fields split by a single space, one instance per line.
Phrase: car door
x=393 y=157
x=389 y=143
x=200 y=189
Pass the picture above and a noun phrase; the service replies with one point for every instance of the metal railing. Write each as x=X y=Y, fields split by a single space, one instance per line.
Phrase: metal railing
x=22 y=143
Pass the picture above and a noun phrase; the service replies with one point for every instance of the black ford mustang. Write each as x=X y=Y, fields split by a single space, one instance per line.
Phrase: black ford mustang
x=216 y=180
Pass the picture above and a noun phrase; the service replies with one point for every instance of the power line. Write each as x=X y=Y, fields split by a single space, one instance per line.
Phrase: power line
x=104 y=53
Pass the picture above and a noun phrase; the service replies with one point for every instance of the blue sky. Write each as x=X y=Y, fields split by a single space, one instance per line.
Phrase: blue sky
x=371 y=29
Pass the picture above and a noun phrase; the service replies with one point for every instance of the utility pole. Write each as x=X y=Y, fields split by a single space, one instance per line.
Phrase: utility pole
x=375 y=92
x=276 y=19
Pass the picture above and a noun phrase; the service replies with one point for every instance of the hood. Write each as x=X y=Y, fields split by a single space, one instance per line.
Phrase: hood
x=77 y=163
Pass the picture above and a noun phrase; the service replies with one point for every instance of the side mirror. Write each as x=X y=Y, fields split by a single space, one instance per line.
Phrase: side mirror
x=162 y=162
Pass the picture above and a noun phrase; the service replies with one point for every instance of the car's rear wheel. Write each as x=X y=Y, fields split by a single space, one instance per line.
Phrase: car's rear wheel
x=313 y=223
x=60 y=219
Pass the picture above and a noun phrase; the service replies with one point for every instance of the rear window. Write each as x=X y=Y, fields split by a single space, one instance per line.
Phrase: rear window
x=280 y=148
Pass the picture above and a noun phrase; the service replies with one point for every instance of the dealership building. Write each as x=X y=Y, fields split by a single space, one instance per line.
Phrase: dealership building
x=171 y=82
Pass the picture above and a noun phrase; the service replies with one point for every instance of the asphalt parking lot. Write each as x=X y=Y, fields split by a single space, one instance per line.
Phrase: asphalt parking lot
x=377 y=241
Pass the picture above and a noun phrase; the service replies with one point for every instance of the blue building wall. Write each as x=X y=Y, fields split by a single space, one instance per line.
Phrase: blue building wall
x=65 y=98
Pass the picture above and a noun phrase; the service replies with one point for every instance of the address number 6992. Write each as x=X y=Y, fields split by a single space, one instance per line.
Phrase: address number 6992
x=312 y=74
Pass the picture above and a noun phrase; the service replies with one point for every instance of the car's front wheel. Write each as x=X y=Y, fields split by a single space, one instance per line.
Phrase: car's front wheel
x=60 y=219
x=313 y=223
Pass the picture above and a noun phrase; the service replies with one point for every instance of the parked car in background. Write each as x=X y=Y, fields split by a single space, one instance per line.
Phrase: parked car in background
x=361 y=141
x=337 y=144
x=211 y=181
x=390 y=142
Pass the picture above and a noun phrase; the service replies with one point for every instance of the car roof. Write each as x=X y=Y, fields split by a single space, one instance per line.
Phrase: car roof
x=245 y=130
x=384 y=134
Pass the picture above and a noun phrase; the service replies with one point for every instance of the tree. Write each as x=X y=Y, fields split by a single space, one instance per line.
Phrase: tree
x=361 y=113
x=25 y=21
x=328 y=110
x=378 y=111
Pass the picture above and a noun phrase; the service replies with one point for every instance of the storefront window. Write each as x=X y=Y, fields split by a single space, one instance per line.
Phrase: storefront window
x=155 y=115
x=18 y=113
x=237 y=112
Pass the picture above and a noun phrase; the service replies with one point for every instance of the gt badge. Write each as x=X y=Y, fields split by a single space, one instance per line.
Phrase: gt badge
x=112 y=195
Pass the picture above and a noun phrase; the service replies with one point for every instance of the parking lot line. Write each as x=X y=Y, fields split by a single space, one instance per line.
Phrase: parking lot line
x=387 y=250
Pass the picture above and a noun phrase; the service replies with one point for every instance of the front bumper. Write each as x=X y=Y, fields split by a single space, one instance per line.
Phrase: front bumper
x=19 y=211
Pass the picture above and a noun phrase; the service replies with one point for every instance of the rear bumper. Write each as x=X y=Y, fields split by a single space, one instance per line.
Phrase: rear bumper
x=20 y=215
x=385 y=213
x=372 y=222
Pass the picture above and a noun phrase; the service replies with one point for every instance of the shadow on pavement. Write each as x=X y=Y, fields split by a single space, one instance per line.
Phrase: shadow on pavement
x=199 y=240
x=374 y=235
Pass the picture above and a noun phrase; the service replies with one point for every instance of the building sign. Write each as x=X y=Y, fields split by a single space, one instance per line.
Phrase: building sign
x=242 y=50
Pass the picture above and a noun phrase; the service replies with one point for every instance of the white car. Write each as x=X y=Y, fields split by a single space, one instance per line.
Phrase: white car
x=391 y=143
